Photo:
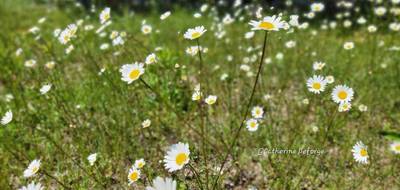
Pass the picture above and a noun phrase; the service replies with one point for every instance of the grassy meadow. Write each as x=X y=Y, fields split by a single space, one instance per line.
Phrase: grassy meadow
x=89 y=109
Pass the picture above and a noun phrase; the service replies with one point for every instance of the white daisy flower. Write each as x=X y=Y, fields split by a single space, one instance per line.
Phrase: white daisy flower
x=270 y=23
x=211 y=99
x=348 y=45
x=30 y=63
x=150 y=59
x=177 y=156
x=249 y=35
x=140 y=163
x=362 y=108
x=317 y=7
x=194 y=33
x=146 y=123
x=32 y=186
x=162 y=184
x=252 y=125
x=257 y=112
x=146 y=29
x=196 y=95
x=7 y=118
x=92 y=158
x=131 y=72
x=45 y=88
x=316 y=84
x=105 y=15
x=360 y=152
x=395 y=147
x=133 y=175
x=18 y=52
x=32 y=169
x=165 y=15
x=344 y=106
x=342 y=93
x=318 y=65
x=330 y=79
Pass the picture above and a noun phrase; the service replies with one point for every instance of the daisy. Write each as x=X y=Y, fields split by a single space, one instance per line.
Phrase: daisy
x=196 y=95
x=395 y=147
x=360 y=152
x=194 y=33
x=92 y=158
x=150 y=59
x=317 y=7
x=348 y=45
x=140 y=163
x=7 y=118
x=146 y=29
x=32 y=169
x=257 y=112
x=162 y=184
x=342 y=93
x=45 y=88
x=330 y=79
x=30 y=63
x=177 y=157
x=32 y=186
x=252 y=125
x=105 y=15
x=269 y=23
x=133 y=175
x=318 y=65
x=50 y=65
x=344 y=106
x=362 y=108
x=165 y=15
x=146 y=123
x=131 y=72
x=211 y=99
x=316 y=84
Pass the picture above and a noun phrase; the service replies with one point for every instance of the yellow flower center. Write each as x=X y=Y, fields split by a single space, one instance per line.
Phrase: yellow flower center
x=266 y=25
x=35 y=169
x=140 y=165
x=181 y=159
x=363 y=152
x=196 y=35
x=342 y=95
x=397 y=147
x=133 y=176
x=316 y=86
x=253 y=124
x=134 y=74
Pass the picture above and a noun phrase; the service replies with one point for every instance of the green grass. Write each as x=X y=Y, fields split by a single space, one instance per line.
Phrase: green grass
x=51 y=128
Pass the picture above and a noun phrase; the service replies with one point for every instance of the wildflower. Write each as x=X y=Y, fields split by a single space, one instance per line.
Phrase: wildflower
x=211 y=99
x=133 y=175
x=196 y=95
x=330 y=79
x=305 y=101
x=162 y=184
x=317 y=7
x=380 y=11
x=150 y=59
x=105 y=15
x=348 y=45
x=146 y=29
x=395 y=147
x=18 y=52
x=316 y=84
x=131 y=72
x=7 y=118
x=165 y=15
x=32 y=169
x=252 y=125
x=194 y=33
x=118 y=41
x=342 y=93
x=33 y=186
x=318 y=65
x=69 y=49
x=146 y=123
x=269 y=23
x=92 y=158
x=360 y=152
x=104 y=46
x=177 y=157
x=362 y=108
x=372 y=28
x=344 y=106
x=45 y=88
x=290 y=44
x=257 y=112
x=30 y=63
x=249 y=35
x=140 y=163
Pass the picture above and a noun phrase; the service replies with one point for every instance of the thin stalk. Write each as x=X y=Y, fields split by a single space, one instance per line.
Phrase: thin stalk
x=202 y=116
x=197 y=176
x=246 y=112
